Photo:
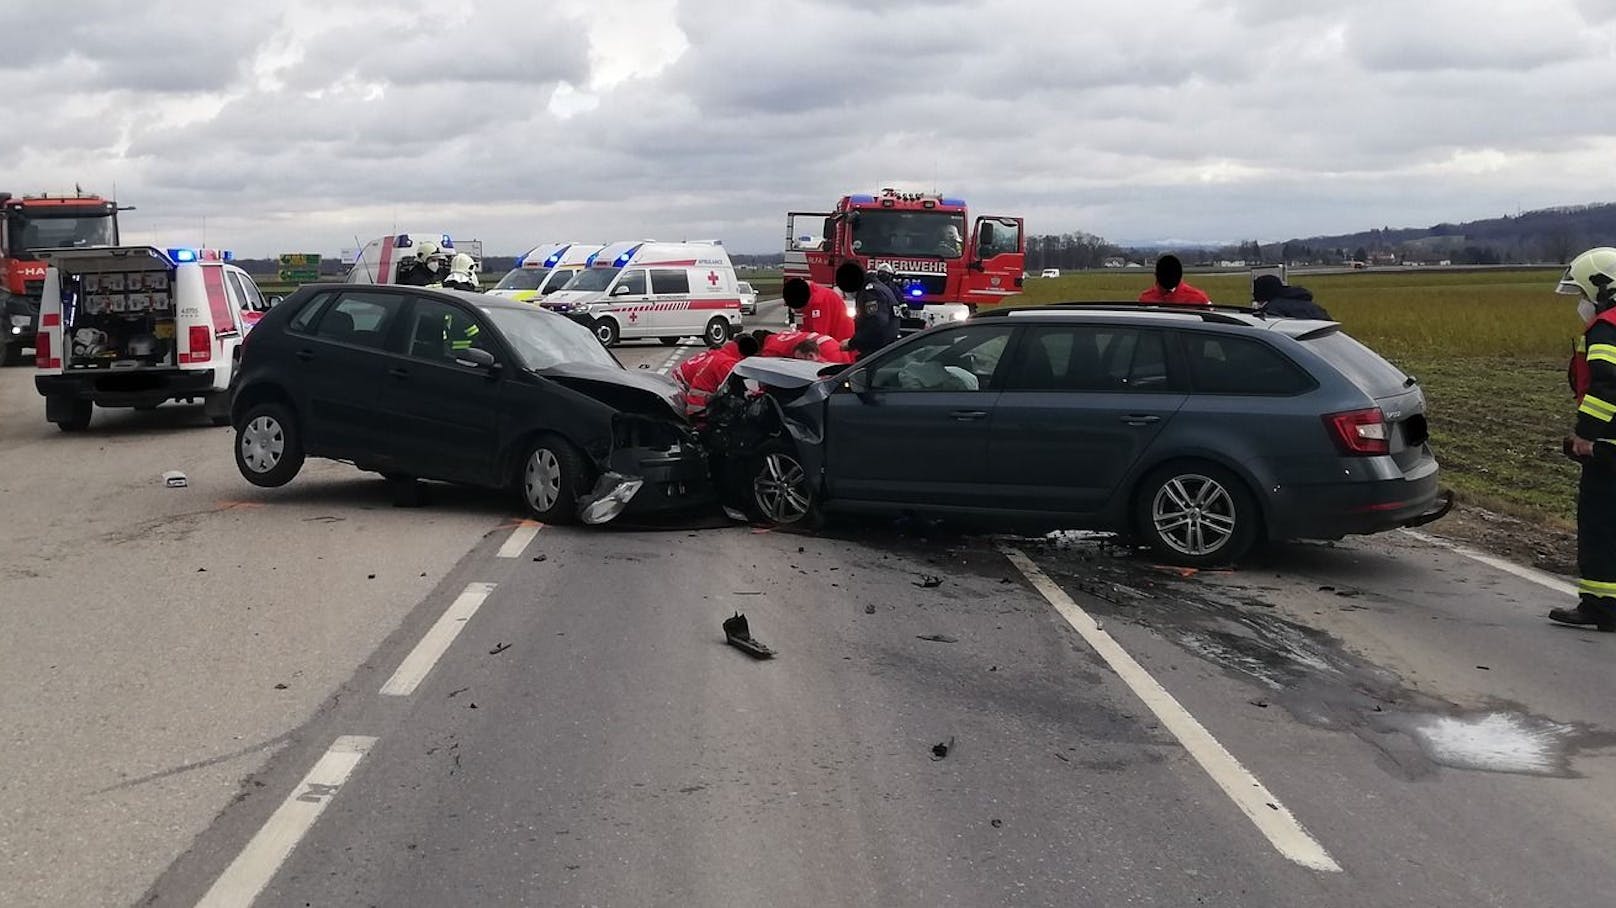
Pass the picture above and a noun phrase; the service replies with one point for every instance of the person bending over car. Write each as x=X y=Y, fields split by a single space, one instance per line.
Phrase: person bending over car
x=876 y=323
x=703 y=374
x=1274 y=298
x=821 y=309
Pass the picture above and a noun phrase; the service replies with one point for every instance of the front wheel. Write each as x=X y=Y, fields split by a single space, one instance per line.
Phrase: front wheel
x=1196 y=515
x=716 y=333
x=553 y=474
x=606 y=331
x=782 y=492
x=269 y=450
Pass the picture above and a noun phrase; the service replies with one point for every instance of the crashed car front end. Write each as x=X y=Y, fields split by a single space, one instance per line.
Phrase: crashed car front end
x=764 y=400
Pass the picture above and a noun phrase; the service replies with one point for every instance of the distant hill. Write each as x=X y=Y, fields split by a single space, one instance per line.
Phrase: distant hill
x=1545 y=235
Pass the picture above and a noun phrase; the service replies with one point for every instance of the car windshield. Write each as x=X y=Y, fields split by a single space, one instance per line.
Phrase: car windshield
x=56 y=231
x=522 y=279
x=926 y=234
x=592 y=279
x=544 y=340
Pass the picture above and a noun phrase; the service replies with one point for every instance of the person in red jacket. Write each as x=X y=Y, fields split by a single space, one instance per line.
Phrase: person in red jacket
x=822 y=309
x=1170 y=286
x=703 y=374
x=788 y=343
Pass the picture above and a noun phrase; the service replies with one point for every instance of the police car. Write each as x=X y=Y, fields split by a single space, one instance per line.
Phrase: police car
x=134 y=326
x=668 y=291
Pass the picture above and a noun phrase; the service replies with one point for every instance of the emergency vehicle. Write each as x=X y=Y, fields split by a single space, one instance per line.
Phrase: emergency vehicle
x=134 y=326
x=943 y=271
x=668 y=291
x=543 y=270
x=381 y=259
x=37 y=222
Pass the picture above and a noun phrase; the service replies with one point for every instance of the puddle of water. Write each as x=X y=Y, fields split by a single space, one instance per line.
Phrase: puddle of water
x=1492 y=742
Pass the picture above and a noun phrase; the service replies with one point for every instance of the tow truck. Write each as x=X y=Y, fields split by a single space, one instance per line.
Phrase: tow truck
x=944 y=271
x=33 y=222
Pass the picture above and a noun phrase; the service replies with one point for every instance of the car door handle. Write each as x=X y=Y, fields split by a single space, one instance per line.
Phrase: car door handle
x=1141 y=419
x=965 y=415
x=399 y=372
x=305 y=356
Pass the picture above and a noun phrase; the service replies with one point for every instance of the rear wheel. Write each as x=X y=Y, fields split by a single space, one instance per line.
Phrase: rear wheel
x=717 y=332
x=78 y=418
x=1196 y=514
x=552 y=476
x=606 y=330
x=269 y=450
x=782 y=492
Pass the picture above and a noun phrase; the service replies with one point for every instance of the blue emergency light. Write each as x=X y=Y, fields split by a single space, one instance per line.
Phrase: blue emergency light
x=624 y=258
x=917 y=292
x=590 y=262
x=555 y=257
x=182 y=255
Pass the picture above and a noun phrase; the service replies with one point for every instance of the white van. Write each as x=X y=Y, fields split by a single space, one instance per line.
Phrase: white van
x=382 y=259
x=668 y=291
x=543 y=270
x=134 y=326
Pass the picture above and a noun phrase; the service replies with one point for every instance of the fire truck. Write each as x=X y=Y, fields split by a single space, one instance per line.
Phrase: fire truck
x=35 y=222
x=944 y=270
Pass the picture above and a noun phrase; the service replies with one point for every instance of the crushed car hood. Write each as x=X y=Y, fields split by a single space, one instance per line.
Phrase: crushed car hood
x=634 y=392
x=782 y=372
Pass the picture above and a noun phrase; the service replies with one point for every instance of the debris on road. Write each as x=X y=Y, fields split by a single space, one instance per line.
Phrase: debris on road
x=747 y=592
x=929 y=582
x=456 y=693
x=996 y=823
x=738 y=633
x=1260 y=704
x=281 y=686
x=937 y=638
x=174 y=479
x=869 y=610
x=939 y=751
x=1063 y=758
x=370 y=576
x=499 y=649
x=541 y=557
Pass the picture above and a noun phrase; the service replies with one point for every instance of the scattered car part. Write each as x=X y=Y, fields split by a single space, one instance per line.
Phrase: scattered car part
x=739 y=635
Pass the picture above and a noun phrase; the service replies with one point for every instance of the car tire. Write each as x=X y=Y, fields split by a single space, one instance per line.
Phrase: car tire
x=1196 y=514
x=550 y=478
x=269 y=447
x=670 y=341
x=79 y=419
x=779 y=490
x=607 y=332
x=717 y=332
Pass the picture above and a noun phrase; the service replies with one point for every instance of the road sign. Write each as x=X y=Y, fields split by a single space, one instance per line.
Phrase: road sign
x=298 y=267
x=297 y=275
x=300 y=260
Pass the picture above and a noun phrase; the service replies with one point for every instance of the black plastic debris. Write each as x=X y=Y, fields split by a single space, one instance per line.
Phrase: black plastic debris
x=996 y=823
x=939 y=751
x=738 y=633
x=370 y=576
x=929 y=582
x=541 y=557
x=499 y=649
x=457 y=692
x=937 y=638
x=869 y=610
x=1260 y=704
x=281 y=686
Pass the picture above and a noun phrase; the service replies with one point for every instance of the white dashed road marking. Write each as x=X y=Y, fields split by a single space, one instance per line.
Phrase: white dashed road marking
x=252 y=870
x=1530 y=575
x=1249 y=794
x=674 y=358
x=418 y=664
x=520 y=537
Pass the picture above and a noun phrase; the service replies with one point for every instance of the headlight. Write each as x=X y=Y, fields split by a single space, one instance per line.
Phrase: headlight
x=960 y=316
x=22 y=321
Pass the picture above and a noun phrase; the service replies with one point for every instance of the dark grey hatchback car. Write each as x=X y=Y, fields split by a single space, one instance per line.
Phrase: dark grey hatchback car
x=1197 y=431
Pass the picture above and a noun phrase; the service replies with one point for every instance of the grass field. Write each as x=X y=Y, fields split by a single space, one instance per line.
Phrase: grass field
x=1489 y=348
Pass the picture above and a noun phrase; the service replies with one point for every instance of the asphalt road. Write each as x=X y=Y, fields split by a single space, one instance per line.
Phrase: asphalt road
x=563 y=723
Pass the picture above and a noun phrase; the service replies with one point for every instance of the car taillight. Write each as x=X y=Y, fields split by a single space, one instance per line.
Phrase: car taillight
x=201 y=344
x=1359 y=432
x=42 y=350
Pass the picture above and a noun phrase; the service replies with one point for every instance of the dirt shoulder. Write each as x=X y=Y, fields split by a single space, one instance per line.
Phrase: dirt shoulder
x=1546 y=547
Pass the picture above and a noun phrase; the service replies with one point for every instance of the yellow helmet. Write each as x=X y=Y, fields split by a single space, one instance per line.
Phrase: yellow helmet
x=1591 y=275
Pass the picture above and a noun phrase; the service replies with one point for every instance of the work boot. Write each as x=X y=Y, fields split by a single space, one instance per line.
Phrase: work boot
x=1588 y=613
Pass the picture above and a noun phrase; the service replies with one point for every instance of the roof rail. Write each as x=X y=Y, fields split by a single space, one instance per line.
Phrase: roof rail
x=1221 y=315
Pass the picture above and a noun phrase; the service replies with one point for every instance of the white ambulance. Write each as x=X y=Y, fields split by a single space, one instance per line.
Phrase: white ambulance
x=382 y=260
x=134 y=326
x=543 y=270
x=668 y=291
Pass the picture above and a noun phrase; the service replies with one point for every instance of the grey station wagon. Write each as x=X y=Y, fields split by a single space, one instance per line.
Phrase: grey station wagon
x=1198 y=431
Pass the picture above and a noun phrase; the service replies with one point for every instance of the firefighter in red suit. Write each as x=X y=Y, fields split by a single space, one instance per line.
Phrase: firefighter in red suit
x=822 y=309
x=786 y=343
x=1592 y=277
x=1170 y=286
x=703 y=374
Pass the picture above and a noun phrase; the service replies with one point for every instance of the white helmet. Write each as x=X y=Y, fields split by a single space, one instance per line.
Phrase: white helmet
x=1592 y=275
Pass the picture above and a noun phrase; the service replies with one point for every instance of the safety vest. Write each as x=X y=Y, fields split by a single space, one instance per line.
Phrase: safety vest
x=1577 y=373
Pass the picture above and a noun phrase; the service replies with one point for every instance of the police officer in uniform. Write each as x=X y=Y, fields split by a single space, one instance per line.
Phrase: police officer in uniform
x=875 y=322
x=1592 y=277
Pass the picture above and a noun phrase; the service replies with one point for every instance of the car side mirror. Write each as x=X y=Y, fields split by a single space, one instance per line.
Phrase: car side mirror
x=475 y=358
x=622 y=290
x=273 y=301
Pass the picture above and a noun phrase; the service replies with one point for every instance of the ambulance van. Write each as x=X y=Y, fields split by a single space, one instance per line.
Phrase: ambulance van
x=134 y=326
x=543 y=270
x=668 y=291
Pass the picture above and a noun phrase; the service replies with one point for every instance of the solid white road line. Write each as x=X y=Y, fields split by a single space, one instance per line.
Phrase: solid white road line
x=520 y=537
x=1530 y=575
x=252 y=870
x=418 y=664
x=1253 y=799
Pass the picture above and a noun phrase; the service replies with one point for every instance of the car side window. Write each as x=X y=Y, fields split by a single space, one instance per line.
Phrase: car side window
x=358 y=318
x=438 y=331
x=670 y=280
x=249 y=289
x=962 y=360
x=305 y=318
x=1090 y=358
x=634 y=281
x=1222 y=364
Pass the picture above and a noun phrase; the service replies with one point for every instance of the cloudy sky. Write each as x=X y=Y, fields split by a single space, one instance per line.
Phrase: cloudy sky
x=298 y=125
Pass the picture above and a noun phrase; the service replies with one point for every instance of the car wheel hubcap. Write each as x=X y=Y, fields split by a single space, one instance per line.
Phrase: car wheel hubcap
x=1193 y=514
x=781 y=489
x=262 y=444
x=604 y=332
x=716 y=333
x=543 y=479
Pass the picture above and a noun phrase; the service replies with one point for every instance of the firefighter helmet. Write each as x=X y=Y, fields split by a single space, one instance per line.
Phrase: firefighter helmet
x=1593 y=276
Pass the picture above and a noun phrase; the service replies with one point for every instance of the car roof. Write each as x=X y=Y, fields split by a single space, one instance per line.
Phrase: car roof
x=1215 y=315
x=480 y=300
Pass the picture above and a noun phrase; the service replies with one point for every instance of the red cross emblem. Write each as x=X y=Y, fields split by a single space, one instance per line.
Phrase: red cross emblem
x=633 y=316
x=712 y=278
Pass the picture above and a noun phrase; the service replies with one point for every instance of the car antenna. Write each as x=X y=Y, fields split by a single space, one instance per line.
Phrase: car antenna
x=362 y=261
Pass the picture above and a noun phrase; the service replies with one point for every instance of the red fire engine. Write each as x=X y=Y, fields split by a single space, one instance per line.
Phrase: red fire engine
x=944 y=272
x=41 y=222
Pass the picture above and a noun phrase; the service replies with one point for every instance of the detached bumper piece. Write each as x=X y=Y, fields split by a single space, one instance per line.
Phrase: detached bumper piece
x=739 y=635
x=1439 y=509
x=611 y=495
